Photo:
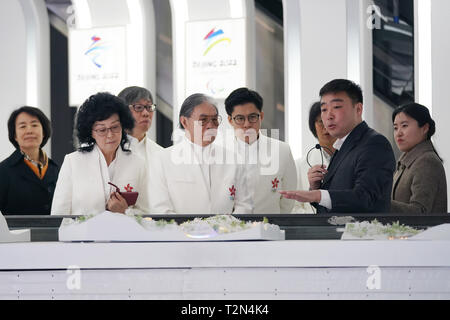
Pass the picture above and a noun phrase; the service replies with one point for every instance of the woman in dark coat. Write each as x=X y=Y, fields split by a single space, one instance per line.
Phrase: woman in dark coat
x=28 y=177
x=419 y=184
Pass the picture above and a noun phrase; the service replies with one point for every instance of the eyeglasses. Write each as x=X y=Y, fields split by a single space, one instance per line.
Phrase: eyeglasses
x=320 y=148
x=252 y=118
x=141 y=107
x=216 y=120
x=104 y=131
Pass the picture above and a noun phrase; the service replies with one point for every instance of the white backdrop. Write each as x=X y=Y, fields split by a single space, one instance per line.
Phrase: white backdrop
x=24 y=63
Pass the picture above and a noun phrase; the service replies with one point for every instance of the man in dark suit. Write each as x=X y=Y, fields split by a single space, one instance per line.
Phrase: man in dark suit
x=359 y=177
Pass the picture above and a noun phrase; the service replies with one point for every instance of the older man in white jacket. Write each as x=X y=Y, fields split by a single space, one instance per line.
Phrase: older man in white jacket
x=269 y=165
x=197 y=176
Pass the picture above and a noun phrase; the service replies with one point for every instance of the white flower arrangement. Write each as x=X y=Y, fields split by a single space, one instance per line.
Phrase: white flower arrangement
x=108 y=226
x=77 y=219
x=219 y=224
x=376 y=230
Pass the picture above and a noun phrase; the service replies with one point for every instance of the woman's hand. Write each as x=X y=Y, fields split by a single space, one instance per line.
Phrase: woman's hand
x=116 y=203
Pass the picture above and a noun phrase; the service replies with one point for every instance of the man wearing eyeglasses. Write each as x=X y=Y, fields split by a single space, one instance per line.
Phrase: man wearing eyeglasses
x=194 y=176
x=269 y=165
x=140 y=102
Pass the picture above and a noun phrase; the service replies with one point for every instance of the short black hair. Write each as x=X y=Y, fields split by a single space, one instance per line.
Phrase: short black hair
x=32 y=111
x=353 y=90
x=99 y=107
x=314 y=112
x=242 y=96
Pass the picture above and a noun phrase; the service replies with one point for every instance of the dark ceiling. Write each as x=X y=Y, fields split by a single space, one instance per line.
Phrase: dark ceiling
x=273 y=8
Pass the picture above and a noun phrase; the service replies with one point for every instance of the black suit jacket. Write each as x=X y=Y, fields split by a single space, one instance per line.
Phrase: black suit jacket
x=21 y=191
x=360 y=175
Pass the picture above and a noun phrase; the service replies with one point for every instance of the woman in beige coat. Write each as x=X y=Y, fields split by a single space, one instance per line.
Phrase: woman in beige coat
x=419 y=180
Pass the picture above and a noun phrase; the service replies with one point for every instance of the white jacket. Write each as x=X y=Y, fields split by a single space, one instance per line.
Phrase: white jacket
x=151 y=147
x=302 y=178
x=269 y=168
x=178 y=184
x=148 y=150
x=81 y=187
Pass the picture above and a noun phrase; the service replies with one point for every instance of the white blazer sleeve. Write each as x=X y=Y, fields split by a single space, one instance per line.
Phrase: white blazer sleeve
x=289 y=181
x=160 y=201
x=62 y=198
x=243 y=202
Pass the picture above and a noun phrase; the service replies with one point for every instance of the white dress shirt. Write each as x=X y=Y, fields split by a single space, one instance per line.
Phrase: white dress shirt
x=138 y=147
x=145 y=148
x=248 y=154
x=325 y=200
x=203 y=156
x=107 y=172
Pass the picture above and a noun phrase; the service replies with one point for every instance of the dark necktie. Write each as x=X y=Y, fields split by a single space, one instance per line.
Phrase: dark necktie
x=332 y=158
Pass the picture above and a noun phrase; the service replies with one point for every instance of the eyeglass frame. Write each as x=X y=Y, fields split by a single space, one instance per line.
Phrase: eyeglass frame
x=149 y=108
x=319 y=147
x=119 y=126
x=258 y=116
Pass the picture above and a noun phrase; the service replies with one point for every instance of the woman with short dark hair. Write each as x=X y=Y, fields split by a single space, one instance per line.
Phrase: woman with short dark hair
x=313 y=156
x=103 y=157
x=419 y=184
x=28 y=176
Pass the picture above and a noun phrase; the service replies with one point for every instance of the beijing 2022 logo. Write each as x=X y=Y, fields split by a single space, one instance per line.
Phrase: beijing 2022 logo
x=213 y=38
x=95 y=50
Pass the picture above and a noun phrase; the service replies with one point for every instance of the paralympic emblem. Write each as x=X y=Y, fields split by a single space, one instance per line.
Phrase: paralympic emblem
x=213 y=38
x=95 y=50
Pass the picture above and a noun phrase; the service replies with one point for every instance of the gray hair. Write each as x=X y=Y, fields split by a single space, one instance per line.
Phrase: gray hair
x=189 y=104
x=133 y=94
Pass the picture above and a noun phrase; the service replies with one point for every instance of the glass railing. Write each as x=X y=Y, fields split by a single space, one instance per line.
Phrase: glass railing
x=296 y=226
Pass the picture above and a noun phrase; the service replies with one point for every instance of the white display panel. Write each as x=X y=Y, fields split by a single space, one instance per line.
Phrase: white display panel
x=215 y=57
x=109 y=226
x=97 y=62
x=321 y=269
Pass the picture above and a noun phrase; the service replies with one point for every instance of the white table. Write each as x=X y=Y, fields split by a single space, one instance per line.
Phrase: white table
x=319 y=269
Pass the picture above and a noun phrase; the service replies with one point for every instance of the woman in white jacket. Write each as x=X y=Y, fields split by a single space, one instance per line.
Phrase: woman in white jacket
x=102 y=157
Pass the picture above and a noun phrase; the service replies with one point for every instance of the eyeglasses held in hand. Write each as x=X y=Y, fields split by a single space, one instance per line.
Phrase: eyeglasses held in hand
x=216 y=120
x=104 y=131
x=319 y=147
x=141 y=107
x=252 y=118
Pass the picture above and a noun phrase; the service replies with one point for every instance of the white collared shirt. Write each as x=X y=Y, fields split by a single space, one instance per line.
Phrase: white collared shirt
x=138 y=147
x=248 y=153
x=339 y=142
x=325 y=198
x=107 y=172
x=203 y=156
